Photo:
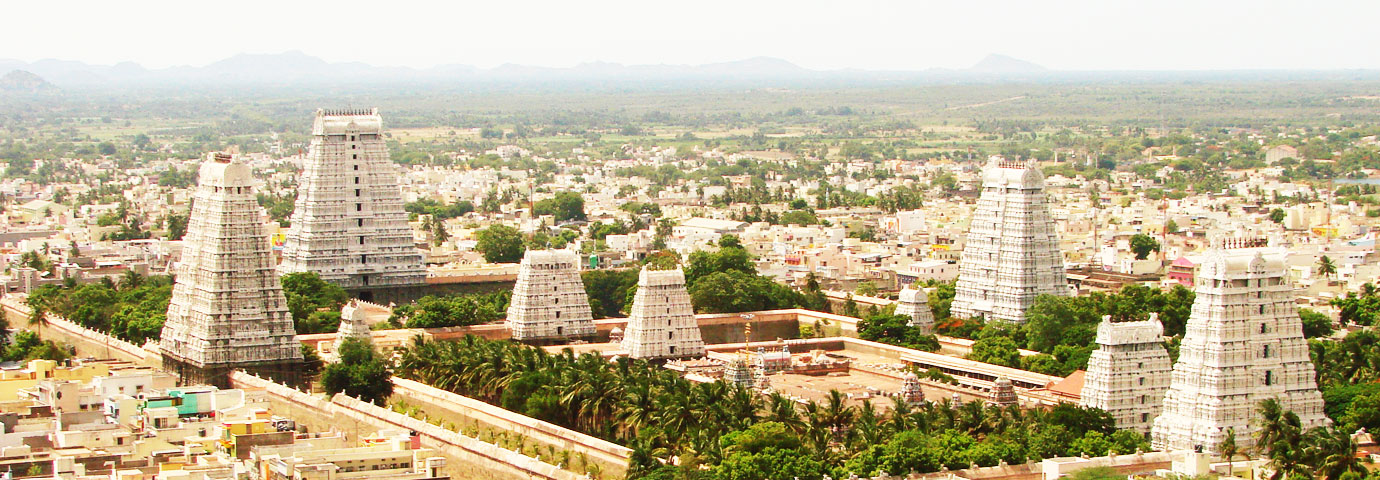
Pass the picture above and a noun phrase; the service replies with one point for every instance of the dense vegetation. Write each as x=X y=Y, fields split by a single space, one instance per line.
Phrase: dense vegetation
x=361 y=372
x=452 y=310
x=726 y=280
x=133 y=310
x=26 y=345
x=741 y=435
x=314 y=303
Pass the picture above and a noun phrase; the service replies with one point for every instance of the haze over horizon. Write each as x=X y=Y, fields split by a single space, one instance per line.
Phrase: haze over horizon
x=872 y=35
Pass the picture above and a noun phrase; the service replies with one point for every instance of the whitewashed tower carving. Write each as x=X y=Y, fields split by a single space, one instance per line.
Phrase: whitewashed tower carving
x=1244 y=344
x=227 y=307
x=661 y=323
x=1011 y=254
x=549 y=300
x=348 y=224
x=1129 y=372
x=914 y=304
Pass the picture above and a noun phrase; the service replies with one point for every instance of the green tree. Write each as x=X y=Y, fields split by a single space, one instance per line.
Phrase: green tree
x=307 y=293
x=177 y=226
x=361 y=373
x=1143 y=244
x=1277 y=215
x=1229 y=449
x=867 y=288
x=500 y=244
x=1315 y=324
x=565 y=206
x=996 y=350
x=1326 y=267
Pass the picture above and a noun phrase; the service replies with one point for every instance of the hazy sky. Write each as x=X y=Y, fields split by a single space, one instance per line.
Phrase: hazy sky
x=892 y=35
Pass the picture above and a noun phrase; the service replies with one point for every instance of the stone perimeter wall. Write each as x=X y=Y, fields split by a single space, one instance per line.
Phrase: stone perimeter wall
x=601 y=451
x=88 y=342
x=498 y=462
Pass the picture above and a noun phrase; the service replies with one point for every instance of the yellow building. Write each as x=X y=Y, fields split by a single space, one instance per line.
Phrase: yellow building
x=12 y=381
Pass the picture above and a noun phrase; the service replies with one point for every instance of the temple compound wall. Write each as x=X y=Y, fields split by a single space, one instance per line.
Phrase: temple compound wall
x=1244 y=344
x=348 y=224
x=227 y=307
x=1129 y=372
x=1011 y=254
x=467 y=457
x=661 y=323
x=549 y=303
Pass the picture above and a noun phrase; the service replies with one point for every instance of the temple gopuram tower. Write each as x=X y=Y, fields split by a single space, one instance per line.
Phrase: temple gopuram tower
x=1011 y=254
x=914 y=304
x=1129 y=372
x=1244 y=344
x=227 y=308
x=549 y=302
x=348 y=224
x=661 y=323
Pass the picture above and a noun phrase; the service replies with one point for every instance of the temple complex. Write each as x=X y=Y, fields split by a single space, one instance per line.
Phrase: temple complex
x=549 y=302
x=914 y=304
x=227 y=308
x=1129 y=372
x=348 y=224
x=661 y=323
x=1011 y=254
x=1244 y=344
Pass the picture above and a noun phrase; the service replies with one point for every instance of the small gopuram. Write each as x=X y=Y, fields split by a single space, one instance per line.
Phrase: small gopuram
x=352 y=324
x=1003 y=393
x=549 y=303
x=737 y=372
x=911 y=393
x=348 y=224
x=1129 y=372
x=1011 y=253
x=1244 y=344
x=227 y=308
x=914 y=304
x=661 y=323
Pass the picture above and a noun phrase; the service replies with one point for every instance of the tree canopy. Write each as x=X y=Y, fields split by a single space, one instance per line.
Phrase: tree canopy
x=500 y=244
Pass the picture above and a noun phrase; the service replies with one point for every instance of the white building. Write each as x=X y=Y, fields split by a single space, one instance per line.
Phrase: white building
x=227 y=305
x=1244 y=344
x=348 y=224
x=914 y=304
x=1011 y=254
x=549 y=301
x=1128 y=373
x=661 y=323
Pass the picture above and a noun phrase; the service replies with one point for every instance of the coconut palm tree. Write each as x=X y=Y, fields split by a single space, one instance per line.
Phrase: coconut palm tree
x=1336 y=454
x=1326 y=267
x=1229 y=449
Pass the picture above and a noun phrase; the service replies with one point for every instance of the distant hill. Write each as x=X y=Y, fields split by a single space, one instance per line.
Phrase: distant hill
x=298 y=69
x=24 y=82
x=1003 y=64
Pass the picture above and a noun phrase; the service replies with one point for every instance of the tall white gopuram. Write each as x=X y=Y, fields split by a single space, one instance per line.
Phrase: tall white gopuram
x=348 y=224
x=1129 y=372
x=1244 y=344
x=1011 y=254
x=549 y=301
x=227 y=307
x=661 y=323
x=915 y=305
